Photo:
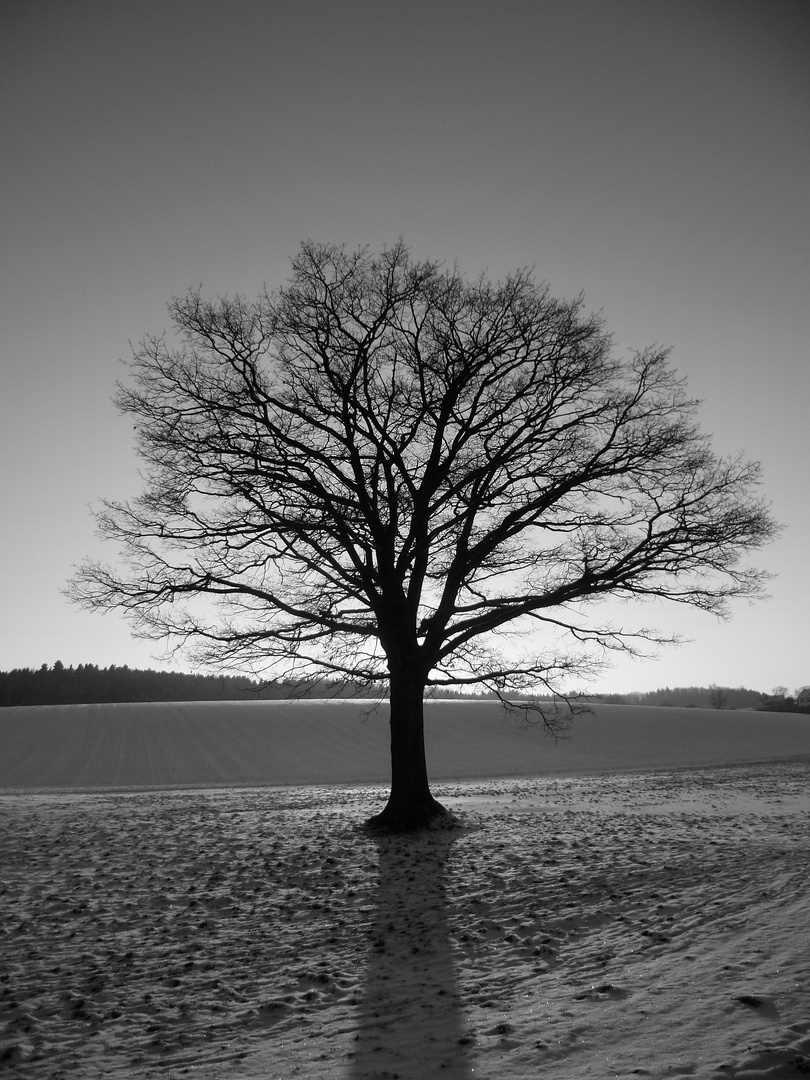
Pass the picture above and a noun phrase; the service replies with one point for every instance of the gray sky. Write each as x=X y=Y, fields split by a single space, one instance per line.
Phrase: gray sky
x=654 y=154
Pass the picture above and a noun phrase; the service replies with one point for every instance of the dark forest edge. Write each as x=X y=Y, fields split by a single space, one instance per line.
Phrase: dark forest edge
x=89 y=684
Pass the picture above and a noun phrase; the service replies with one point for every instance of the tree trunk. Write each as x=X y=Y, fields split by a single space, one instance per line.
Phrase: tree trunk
x=410 y=804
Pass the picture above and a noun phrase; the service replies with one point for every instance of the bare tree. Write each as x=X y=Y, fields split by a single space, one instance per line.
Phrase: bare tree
x=389 y=473
x=718 y=696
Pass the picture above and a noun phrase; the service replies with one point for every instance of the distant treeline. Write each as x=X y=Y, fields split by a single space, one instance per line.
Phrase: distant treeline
x=685 y=697
x=89 y=684
x=703 y=697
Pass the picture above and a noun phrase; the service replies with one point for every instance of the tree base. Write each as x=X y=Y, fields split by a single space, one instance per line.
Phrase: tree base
x=427 y=815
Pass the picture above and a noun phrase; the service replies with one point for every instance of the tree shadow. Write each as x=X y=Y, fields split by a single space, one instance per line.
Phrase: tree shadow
x=410 y=1021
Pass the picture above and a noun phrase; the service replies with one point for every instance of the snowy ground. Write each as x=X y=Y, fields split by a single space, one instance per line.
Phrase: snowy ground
x=627 y=924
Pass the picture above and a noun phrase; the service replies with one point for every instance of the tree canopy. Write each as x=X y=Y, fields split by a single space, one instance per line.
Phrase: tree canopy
x=385 y=472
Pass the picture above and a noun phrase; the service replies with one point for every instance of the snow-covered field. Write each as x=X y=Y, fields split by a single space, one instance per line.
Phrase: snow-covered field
x=650 y=919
